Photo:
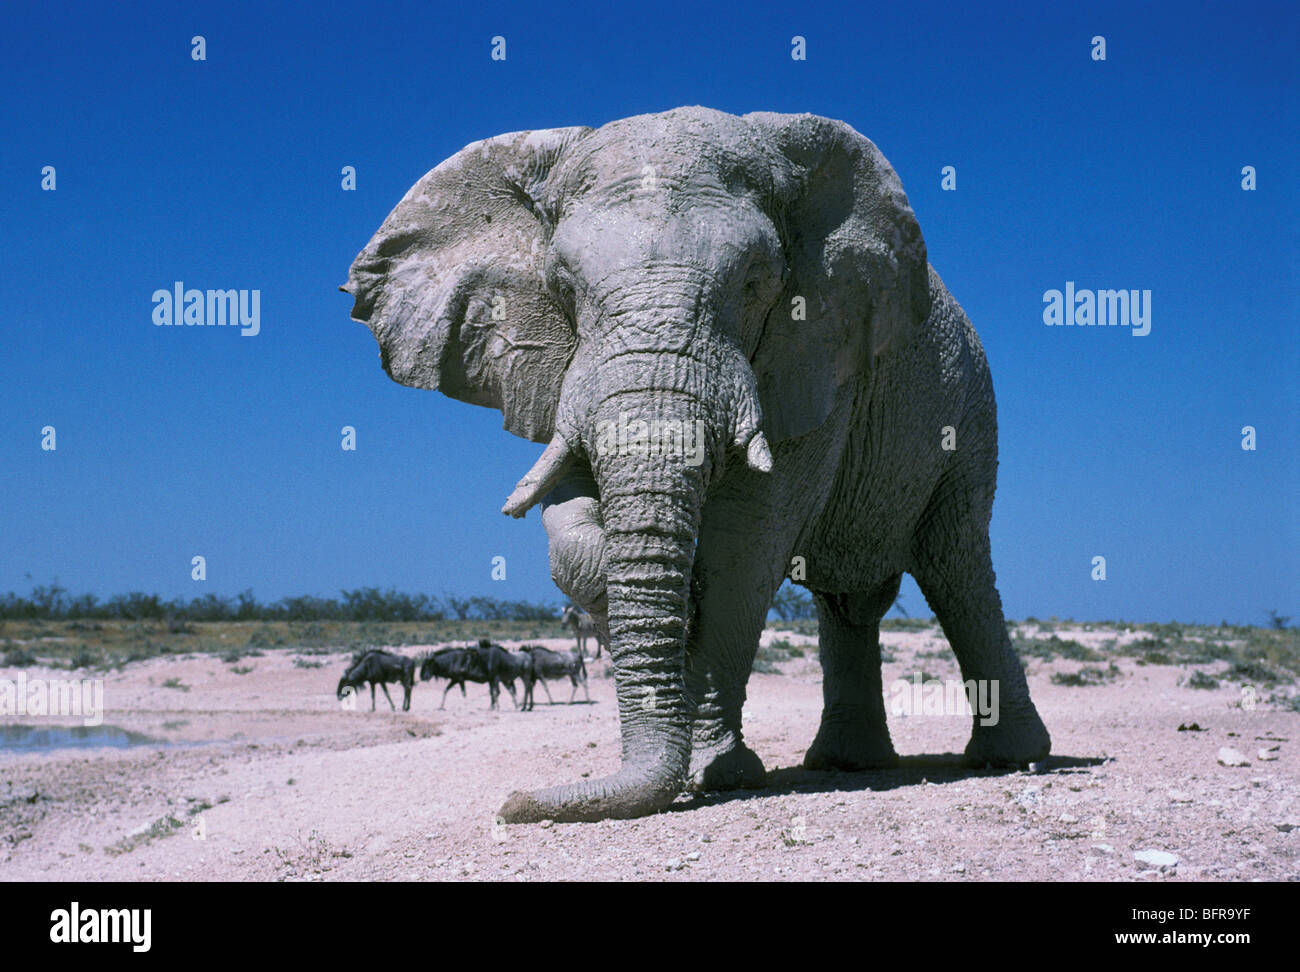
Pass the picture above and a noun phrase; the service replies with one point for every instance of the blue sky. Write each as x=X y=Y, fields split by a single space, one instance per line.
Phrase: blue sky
x=225 y=173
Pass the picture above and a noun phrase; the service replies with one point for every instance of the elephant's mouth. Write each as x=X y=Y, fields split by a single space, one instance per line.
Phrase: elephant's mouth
x=365 y=291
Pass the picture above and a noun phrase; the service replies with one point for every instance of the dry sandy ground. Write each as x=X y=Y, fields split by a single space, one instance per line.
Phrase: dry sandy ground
x=280 y=784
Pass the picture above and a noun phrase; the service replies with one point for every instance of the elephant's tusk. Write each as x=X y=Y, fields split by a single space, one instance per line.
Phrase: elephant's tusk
x=541 y=479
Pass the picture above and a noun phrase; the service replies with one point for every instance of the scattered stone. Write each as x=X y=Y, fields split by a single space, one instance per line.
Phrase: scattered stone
x=1230 y=757
x=673 y=865
x=1178 y=796
x=1162 y=860
x=693 y=856
x=1268 y=754
x=1068 y=818
x=1103 y=848
x=547 y=824
x=1190 y=727
x=1288 y=825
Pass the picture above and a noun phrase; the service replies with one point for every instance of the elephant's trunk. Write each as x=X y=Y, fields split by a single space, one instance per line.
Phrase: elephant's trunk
x=651 y=481
x=650 y=505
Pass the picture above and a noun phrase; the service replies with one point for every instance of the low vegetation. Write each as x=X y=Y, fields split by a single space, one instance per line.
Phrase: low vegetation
x=1053 y=647
x=778 y=650
x=50 y=628
x=116 y=643
x=53 y=602
x=1088 y=675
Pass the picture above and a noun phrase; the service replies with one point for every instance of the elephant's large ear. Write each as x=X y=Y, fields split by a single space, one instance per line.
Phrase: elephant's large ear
x=451 y=285
x=858 y=284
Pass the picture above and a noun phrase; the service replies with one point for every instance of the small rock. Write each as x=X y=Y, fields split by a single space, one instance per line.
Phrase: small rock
x=959 y=868
x=1103 y=848
x=1230 y=757
x=1178 y=796
x=547 y=824
x=693 y=856
x=1068 y=818
x=1158 y=859
x=673 y=865
x=1268 y=755
x=1288 y=825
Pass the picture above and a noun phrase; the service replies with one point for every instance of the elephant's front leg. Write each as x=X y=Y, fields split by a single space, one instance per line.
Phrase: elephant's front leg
x=853 y=734
x=737 y=571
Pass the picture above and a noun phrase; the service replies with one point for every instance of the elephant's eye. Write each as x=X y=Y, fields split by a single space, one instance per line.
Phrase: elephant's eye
x=393 y=245
x=561 y=282
x=760 y=281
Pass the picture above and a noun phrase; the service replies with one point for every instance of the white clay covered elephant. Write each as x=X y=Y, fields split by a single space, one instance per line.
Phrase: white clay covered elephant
x=727 y=333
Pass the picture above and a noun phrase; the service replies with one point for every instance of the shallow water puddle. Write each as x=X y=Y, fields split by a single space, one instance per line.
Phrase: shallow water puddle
x=40 y=739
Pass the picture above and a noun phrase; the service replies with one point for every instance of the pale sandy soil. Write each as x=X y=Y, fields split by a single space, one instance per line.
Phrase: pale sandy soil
x=288 y=786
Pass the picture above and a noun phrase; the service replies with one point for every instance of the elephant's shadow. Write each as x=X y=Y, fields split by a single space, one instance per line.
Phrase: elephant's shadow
x=938 y=768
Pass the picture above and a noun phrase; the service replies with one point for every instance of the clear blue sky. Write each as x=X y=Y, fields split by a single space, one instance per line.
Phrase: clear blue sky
x=174 y=442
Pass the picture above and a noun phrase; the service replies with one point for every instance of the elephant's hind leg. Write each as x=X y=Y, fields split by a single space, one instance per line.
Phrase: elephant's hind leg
x=853 y=733
x=955 y=573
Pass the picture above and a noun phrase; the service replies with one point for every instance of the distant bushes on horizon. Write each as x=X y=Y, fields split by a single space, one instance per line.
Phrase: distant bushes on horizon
x=52 y=602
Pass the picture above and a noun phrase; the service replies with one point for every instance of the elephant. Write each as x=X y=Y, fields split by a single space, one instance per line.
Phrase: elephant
x=727 y=332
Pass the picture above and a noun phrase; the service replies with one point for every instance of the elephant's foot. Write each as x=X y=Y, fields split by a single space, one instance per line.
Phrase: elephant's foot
x=631 y=792
x=850 y=748
x=735 y=768
x=1015 y=740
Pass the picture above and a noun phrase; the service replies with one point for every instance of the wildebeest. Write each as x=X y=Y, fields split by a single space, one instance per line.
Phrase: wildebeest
x=378 y=668
x=485 y=663
x=554 y=664
x=584 y=626
x=503 y=667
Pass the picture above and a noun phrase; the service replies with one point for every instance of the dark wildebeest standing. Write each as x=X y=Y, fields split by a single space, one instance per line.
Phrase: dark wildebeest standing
x=482 y=663
x=378 y=668
x=504 y=667
x=554 y=664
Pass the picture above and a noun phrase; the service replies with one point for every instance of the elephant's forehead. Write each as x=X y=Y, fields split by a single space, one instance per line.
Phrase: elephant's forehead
x=682 y=142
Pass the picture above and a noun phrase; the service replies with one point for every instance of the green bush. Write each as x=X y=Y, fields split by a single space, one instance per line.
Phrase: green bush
x=1088 y=676
x=19 y=657
x=1054 y=647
